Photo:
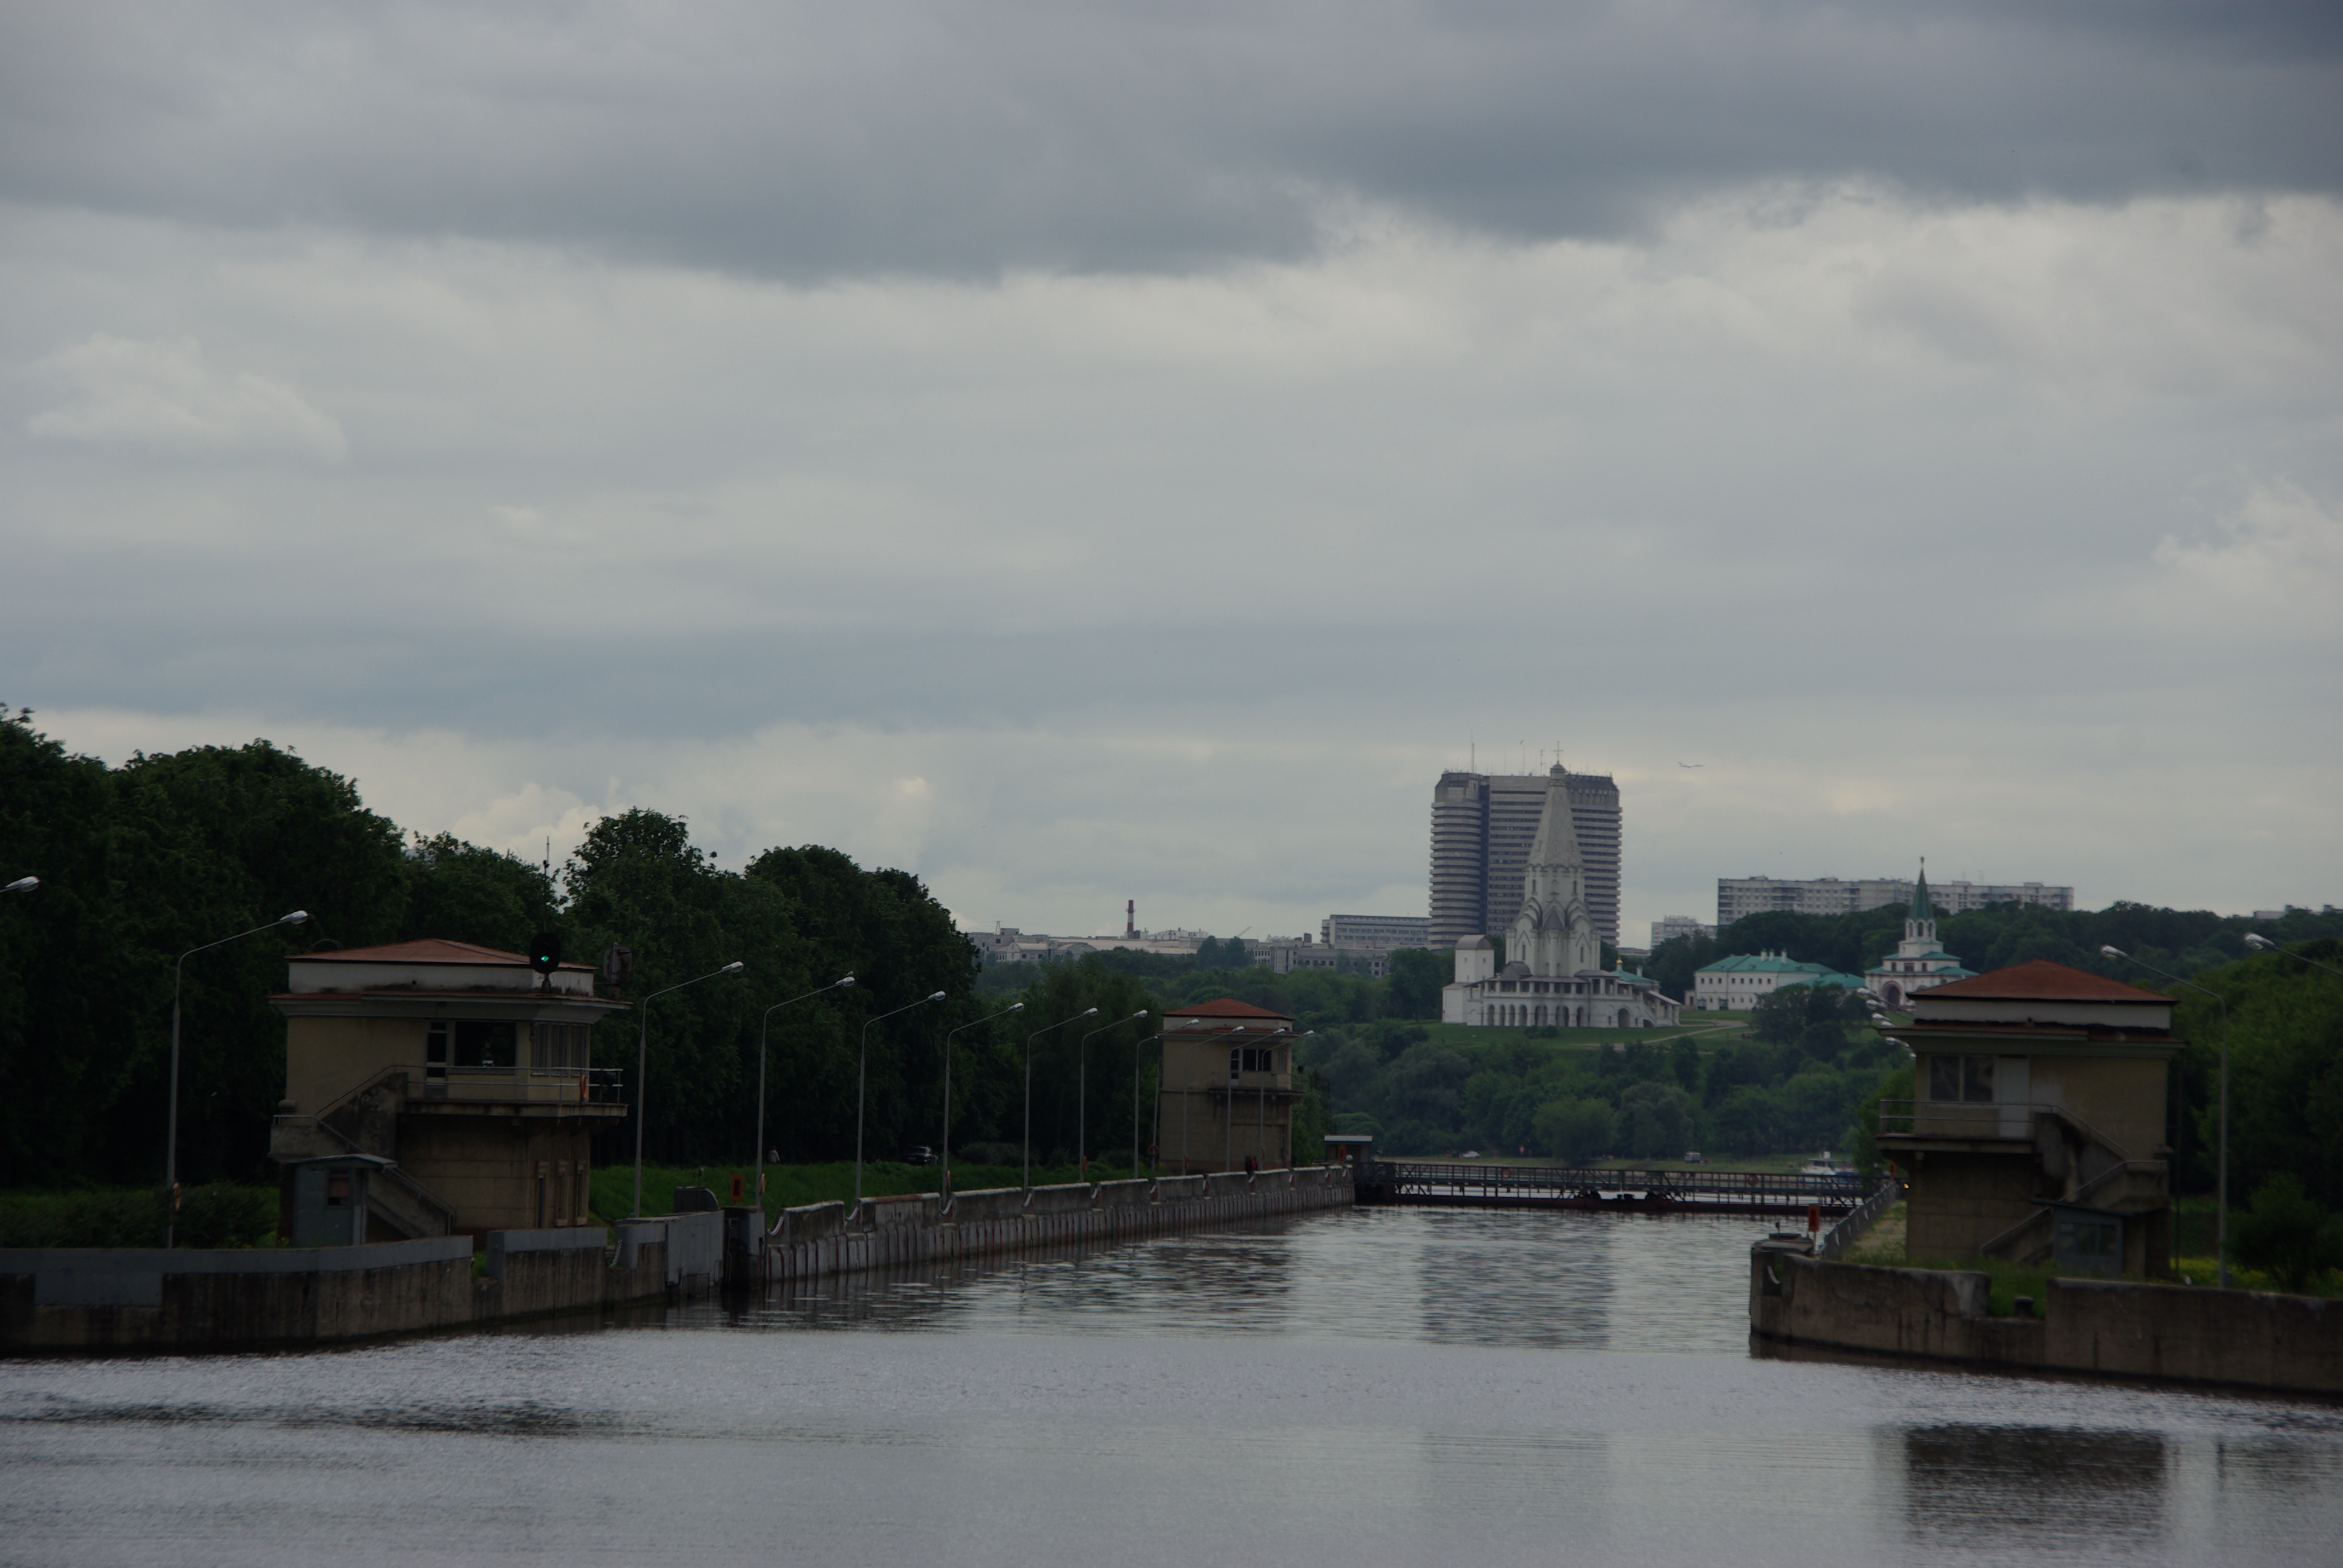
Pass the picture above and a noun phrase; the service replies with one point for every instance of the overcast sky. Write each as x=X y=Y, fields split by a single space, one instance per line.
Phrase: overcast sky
x=1081 y=452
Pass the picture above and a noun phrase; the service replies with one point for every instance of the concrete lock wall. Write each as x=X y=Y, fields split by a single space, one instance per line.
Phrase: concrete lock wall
x=2254 y=1338
x=191 y=1299
x=91 y=1298
x=823 y=1238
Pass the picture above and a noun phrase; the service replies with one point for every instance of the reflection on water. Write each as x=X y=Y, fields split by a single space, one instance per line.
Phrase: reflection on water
x=1386 y=1387
x=2038 y=1486
x=1564 y=1281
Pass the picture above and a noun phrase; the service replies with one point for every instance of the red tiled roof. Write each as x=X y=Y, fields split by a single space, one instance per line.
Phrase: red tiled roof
x=424 y=951
x=1224 y=1007
x=2043 y=980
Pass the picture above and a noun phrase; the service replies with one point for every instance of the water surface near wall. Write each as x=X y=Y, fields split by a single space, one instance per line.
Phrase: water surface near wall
x=1386 y=1386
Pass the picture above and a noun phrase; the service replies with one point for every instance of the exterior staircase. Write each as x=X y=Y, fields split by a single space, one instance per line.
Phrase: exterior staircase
x=2086 y=1167
x=366 y=1121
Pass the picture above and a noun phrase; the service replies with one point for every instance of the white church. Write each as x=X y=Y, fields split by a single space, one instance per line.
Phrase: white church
x=1556 y=974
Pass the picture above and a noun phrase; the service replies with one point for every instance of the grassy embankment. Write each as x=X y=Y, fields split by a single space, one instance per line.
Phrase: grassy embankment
x=1708 y=1029
x=221 y=1214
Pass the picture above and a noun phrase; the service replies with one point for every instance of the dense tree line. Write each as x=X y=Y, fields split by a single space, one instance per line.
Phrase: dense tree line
x=1796 y=1081
x=140 y=862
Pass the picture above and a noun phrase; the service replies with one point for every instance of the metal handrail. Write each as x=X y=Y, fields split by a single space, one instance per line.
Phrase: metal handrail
x=1950 y=1114
x=581 y=1085
x=1498 y=1177
x=1858 y=1221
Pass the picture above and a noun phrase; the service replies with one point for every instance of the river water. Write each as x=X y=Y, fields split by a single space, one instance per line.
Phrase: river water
x=1388 y=1386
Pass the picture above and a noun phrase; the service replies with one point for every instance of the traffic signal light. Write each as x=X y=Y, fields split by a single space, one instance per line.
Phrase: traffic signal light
x=545 y=952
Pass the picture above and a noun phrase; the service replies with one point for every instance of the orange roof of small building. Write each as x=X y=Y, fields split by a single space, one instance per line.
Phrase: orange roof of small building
x=2040 y=980
x=423 y=950
x=1225 y=1007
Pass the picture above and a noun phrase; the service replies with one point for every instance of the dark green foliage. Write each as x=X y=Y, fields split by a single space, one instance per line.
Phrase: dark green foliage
x=1507 y=1093
x=1816 y=1017
x=139 y=863
x=1675 y=963
x=1417 y=978
x=2286 y=1235
x=1655 y=1120
x=1064 y=1064
x=2286 y=1074
x=216 y=1215
x=1575 y=1128
x=1214 y=953
x=468 y=894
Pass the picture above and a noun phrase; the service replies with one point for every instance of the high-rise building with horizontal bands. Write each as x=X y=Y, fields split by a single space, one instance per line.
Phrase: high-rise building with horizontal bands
x=1482 y=827
x=1739 y=896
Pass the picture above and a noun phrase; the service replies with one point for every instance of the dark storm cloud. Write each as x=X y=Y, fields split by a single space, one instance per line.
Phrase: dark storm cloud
x=813 y=140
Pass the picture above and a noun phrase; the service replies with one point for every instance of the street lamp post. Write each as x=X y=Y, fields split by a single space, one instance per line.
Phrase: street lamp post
x=27 y=884
x=763 y=1024
x=1261 y=1125
x=943 y=1187
x=1086 y=1012
x=2221 y=1179
x=1136 y=1045
x=1081 y=1093
x=171 y=1133
x=2256 y=939
x=642 y=1069
x=861 y=1083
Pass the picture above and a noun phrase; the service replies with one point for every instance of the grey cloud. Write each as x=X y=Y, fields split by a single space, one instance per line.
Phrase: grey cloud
x=816 y=140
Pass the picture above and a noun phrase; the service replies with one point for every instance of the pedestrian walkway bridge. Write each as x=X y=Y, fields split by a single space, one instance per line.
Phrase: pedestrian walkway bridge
x=1491 y=1185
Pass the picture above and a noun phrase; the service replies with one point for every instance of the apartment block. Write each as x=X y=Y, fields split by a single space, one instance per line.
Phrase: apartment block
x=1739 y=896
x=1378 y=931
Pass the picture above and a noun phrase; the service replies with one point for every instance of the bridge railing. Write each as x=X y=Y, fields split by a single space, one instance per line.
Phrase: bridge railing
x=1527 y=1180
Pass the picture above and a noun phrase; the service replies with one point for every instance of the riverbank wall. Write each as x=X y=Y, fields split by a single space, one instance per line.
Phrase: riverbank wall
x=190 y=1298
x=823 y=1239
x=2178 y=1334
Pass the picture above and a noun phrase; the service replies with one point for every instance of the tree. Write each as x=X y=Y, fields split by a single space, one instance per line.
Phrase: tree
x=1814 y=1017
x=1576 y=1129
x=1425 y=1086
x=467 y=894
x=1654 y=1120
x=1062 y=992
x=1214 y=953
x=1417 y=978
x=1676 y=961
x=2287 y=1235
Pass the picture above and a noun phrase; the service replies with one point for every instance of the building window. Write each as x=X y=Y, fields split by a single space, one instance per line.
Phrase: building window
x=567 y=1046
x=1253 y=1058
x=1961 y=1078
x=483 y=1044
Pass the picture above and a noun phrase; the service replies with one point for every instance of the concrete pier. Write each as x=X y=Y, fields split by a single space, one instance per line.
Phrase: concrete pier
x=2180 y=1334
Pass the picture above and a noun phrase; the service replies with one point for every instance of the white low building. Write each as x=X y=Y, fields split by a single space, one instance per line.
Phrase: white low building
x=1740 y=982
